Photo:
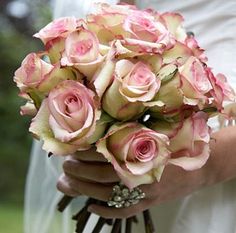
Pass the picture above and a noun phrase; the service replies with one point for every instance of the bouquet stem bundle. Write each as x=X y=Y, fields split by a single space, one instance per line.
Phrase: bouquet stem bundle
x=83 y=215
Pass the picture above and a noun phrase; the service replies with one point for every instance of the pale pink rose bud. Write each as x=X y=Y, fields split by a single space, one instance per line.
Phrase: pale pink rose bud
x=134 y=84
x=195 y=82
x=82 y=52
x=66 y=120
x=60 y=27
x=189 y=141
x=137 y=153
x=32 y=71
x=221 y=89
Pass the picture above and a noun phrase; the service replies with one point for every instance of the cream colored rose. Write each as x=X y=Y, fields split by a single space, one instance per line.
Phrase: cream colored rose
x=134 y=84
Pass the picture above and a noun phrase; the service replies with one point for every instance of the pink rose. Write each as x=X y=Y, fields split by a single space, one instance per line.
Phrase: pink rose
x=189 y=141
x=137 y=153
x=82 y=52
x=58 y=28
x=66 y=120
x=195 y=82
x=32 y=71
x=143 y=26
x=133 y=85
x=221 y=89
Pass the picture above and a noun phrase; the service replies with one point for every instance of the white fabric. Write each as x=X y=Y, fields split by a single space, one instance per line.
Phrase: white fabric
x=212 y=210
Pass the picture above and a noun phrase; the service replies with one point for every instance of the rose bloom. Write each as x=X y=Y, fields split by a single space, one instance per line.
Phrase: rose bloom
x=195 y=82
x=137 y=153
x=66 y=120
x=60 y=27
x=133 y=85
x=142 y=26
x=221 y=89
x=82 y=52
x=107 y=24
x=32 y=71
x=189 y=140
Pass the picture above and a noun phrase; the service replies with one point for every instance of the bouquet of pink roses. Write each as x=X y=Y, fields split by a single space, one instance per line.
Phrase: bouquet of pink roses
x=131 y=83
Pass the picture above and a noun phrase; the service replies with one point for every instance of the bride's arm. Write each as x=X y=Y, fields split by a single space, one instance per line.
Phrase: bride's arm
x=95 y=178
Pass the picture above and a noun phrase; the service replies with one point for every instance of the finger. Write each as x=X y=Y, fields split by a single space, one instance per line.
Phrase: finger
x=110 y=212
x=64 y=186
x=94 y=190
x=90 y=155
x=101 y=173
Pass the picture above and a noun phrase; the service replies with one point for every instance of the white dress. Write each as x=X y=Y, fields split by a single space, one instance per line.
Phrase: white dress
x=211 y=210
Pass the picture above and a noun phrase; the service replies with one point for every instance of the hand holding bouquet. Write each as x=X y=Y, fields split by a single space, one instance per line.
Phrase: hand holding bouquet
x=131 y=83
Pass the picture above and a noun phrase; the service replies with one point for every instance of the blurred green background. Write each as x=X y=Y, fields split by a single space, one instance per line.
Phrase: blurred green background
x=19 y=20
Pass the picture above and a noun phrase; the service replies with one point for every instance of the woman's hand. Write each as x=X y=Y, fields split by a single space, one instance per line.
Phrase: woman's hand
x=88 y=173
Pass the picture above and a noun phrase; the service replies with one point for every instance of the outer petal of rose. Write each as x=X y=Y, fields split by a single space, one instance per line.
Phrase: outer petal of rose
x=229 y=93
x=41 y=128
x=184 y=138
x=123 y=52
x=123 y=67
x=121 y=109
x=192 y=163
x=154 y=61
x=55 y=48
x=46 y=33
x=28 y=109
x=201 y=129
x=154 y=103
x=169 y=96
x=54 y=77
x=89 y=69
x=144 y=46
x=101 y=125
x=104 y=76
x=179 y=52
x=104 y=35
x=191 y=95
x=174 y=24
x=193 y=65
x=127 y=178
x=139 y=168
x=91 y=133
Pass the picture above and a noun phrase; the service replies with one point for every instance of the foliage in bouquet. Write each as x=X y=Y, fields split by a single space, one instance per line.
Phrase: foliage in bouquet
x=133 y=83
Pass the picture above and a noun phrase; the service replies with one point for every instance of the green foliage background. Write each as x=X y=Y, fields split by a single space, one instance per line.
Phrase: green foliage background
x=15 y=141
